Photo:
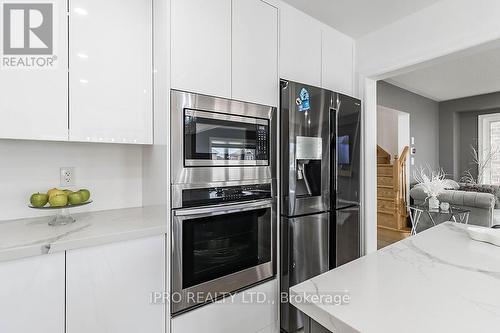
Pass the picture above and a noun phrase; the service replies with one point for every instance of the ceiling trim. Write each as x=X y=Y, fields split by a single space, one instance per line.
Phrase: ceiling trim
x=413 y=90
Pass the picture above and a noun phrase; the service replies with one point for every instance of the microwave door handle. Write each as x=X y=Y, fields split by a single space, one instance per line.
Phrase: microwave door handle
x=223 y=209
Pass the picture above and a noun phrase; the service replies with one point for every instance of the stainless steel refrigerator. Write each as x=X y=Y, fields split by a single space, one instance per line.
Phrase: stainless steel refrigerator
x=320 y=179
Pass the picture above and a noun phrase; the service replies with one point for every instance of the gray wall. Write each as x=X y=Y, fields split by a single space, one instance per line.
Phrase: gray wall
x=468 y=136
x=424 y=121
x=458 y=130
x=443 y=131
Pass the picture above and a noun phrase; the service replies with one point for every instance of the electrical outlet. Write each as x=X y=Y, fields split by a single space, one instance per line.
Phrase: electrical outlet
x=67 y=176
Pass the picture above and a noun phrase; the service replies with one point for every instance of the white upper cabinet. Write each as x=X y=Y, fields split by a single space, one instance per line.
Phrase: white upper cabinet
x=110 y=95
x=300 y=47
x=201 y=46
x=108 y=287
x=337 y=64
x=32 y=294
x=33 y=102
x=255 y=52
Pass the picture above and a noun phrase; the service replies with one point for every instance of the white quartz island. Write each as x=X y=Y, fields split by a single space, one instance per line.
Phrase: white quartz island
x=437 y=281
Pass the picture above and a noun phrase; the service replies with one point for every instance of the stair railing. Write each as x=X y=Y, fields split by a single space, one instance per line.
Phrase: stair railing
x=400 y=185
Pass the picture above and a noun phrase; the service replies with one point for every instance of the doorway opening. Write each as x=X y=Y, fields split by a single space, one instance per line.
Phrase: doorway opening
x=393 y=179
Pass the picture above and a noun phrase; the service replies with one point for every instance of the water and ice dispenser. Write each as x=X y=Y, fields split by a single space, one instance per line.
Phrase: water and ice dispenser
x=308 y=166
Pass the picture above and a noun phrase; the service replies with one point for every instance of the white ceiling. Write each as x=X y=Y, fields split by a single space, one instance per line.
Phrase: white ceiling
x=359 y=17
x=470 y=75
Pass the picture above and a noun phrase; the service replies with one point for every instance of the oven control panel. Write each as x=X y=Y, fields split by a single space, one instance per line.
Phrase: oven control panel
x=216 y=195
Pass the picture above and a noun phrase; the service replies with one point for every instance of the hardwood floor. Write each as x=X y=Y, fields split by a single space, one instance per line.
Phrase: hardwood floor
x=387 y=236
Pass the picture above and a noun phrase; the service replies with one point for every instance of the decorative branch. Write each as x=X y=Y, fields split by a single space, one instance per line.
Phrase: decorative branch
x=489 y=154
x=468 y=178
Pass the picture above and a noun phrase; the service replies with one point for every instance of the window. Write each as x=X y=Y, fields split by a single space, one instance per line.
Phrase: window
x=489 y=149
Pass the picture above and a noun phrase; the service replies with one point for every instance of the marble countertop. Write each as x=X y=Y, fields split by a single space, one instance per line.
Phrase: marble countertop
x=33 y=236
x=437 y=281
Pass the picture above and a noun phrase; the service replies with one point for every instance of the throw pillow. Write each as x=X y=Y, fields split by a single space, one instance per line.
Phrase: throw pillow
x=451 y=185
x=477 y=188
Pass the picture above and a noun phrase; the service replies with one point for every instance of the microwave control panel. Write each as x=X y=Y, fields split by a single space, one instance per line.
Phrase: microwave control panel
x=262 y=148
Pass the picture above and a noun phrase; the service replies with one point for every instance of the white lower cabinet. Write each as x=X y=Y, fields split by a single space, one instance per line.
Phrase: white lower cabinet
x=237 y=315
x=108 y=287
x=32 y=295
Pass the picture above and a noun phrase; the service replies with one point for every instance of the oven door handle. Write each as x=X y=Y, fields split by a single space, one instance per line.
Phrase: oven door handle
x=226 y=209
x=226 y=117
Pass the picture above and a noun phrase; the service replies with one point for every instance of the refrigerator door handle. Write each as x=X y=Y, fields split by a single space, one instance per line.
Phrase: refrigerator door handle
x=291 y=258
x=334 y=156
x=336 y=150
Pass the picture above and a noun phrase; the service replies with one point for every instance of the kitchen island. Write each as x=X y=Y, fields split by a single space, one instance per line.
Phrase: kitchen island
x=437 y=281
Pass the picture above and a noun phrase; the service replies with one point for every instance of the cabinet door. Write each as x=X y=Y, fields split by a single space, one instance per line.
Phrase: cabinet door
x=300 y=47
x=249 y=311
x=201 y=46
x=108 y=288
x=32 y=295
x=337 y=64
x=255 y=52
x=111 y=71
x=33 y=102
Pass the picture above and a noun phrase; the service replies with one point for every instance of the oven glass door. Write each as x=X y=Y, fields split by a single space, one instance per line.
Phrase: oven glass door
x=217 y=246
x=217 y=139
x=221 y=249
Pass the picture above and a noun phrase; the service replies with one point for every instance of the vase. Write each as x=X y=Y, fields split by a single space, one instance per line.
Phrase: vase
x=433 y=203
x=444 y=206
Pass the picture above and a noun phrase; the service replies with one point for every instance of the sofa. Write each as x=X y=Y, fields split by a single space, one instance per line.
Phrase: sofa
x=484 y=204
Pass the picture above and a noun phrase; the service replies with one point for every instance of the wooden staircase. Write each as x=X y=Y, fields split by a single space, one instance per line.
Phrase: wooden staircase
x=392 y=190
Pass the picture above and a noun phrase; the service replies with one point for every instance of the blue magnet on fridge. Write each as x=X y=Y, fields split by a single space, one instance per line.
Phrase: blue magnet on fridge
x=303 y=100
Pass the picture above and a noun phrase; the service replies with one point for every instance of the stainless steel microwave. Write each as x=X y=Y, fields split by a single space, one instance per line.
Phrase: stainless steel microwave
x=220 y=140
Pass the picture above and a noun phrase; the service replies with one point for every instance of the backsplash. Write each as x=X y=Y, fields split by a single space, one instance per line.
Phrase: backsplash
x=112 y=172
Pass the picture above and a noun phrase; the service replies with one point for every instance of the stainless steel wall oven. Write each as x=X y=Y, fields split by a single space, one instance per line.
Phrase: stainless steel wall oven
x=220 y=249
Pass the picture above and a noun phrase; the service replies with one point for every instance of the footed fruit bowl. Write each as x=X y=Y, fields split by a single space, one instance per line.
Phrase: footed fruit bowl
x=63 y=216
x=61 y=201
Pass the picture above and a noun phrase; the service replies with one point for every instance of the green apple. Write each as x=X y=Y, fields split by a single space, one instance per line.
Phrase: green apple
x=58 y=200
x=56 y=192
x=75 y=198
x=53 y=191
x=39 y=199
x=85 y=194
x=67 y=192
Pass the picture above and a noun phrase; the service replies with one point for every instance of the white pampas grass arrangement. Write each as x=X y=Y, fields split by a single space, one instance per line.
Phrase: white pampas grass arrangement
x=432 y=182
